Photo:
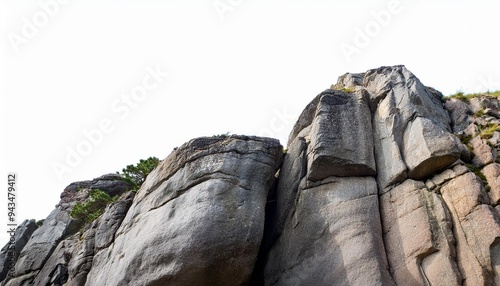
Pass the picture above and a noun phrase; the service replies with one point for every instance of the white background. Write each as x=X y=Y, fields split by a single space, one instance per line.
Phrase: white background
x=238 y=66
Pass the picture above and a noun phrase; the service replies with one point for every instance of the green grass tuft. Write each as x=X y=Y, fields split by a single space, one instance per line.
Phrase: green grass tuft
x=466 y=97
x=487 y=132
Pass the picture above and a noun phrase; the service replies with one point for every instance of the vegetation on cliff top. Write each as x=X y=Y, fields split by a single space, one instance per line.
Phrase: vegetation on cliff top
x=93 y=207
x=466 y=97
x=136 y=174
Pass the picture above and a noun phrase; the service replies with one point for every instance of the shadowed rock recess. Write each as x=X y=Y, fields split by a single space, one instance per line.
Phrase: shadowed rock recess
x=383 y=182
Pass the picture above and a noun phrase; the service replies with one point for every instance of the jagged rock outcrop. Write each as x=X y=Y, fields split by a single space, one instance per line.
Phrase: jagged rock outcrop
x=17 y=241
x=384 y=182
x=43 y=256
x=198 y=219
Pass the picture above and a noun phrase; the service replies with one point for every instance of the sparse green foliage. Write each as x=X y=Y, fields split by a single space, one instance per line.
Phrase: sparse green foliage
x=39 y=223
x=488 y=131
x=466 y=140
x=93 y=207
x=495 y=94
x=225 y=135
x=348 y=89
x=480 y=113
x=138 y=173
x=478 y=173
x=466 y=97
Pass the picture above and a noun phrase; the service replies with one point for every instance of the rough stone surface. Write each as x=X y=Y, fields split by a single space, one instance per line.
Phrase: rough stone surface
x=82 y=255
x=197 y=220
x=418 y=236
x=333 y=237
x=111 y=221
x=477 y=229
x=349 y=80
x=448 y=174
x=428 y=148
x=294 y=164
x=391 y=167
x=43 y=241
x=472 y=130
x=495 y=139
x=112 y=184
x=341 y=137
x=492 y=175
x=55 y=271
x=398 y=99
x=459 y=113
x=483 y=153
x=17 y=240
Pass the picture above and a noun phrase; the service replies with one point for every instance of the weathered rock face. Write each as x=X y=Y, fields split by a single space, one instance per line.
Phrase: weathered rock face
x=411 y=126
x=45 y=253
x=418 y=236
x=341 y=137
x=17 y=241
x=384 y=182
x=112 y=184
x=198 y=219
x=333 y=236
x=397 y=226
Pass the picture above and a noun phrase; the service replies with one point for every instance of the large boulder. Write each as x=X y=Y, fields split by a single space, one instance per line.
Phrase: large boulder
x=428 y=148
x=197 y=220
x=341 y=137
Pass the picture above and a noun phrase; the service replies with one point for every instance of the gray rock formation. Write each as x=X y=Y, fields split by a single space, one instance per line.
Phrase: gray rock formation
x=46 y=252
x=384 y=182
x=112 y=184
x=428 y=148
x=341 y=137
x=43 y=242
x=333 y=234
x=407 y=115
x=198 y=219
x=17 y=240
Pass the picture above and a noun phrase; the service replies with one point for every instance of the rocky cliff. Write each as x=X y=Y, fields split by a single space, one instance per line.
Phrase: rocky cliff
x=383 y=182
